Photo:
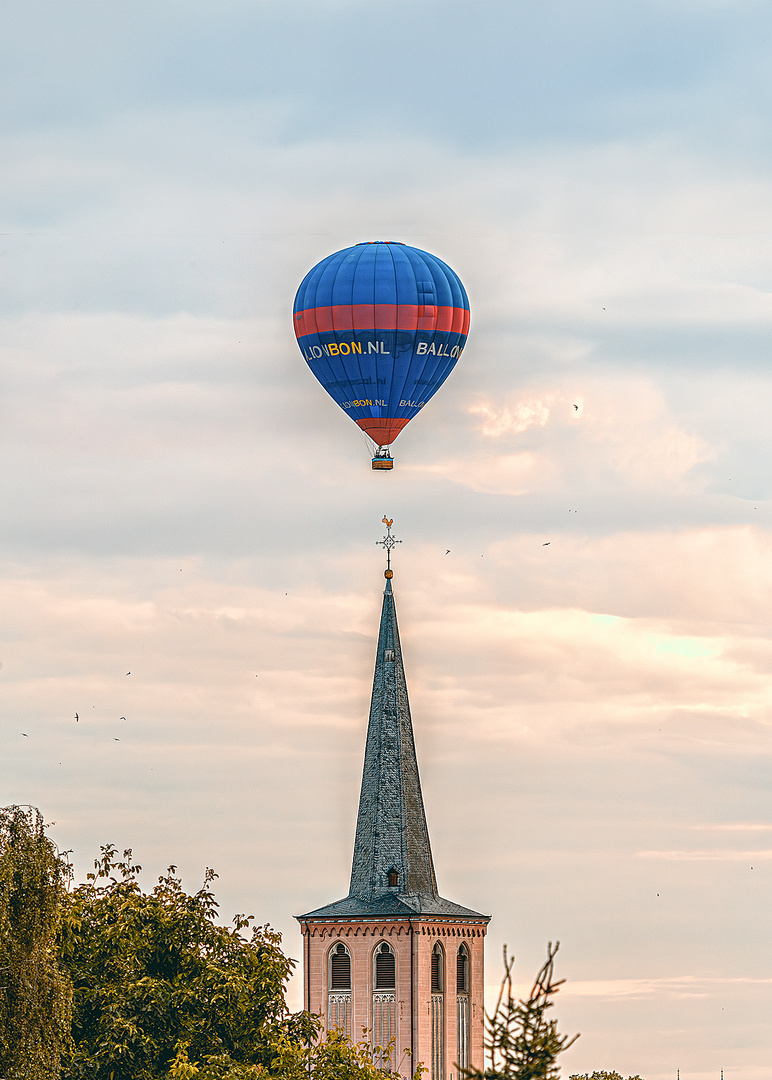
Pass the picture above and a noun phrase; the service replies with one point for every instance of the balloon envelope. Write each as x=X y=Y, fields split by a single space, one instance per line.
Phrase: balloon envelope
x=381 y=325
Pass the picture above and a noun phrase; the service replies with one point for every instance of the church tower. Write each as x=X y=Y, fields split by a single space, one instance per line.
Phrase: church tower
x=394 y=957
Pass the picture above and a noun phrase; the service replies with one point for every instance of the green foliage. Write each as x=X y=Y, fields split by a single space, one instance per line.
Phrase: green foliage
x=522 y=1044
x=334 y=1057
x=160 y=989
x=602 y=1075
x=34 y=993
x=337 y=1058
x=161 y=992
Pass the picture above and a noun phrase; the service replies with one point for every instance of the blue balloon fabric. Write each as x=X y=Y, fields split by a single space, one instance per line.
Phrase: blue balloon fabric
x=381 y=325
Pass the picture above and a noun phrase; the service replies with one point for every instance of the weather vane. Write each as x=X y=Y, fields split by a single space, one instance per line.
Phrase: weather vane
x=387 y=544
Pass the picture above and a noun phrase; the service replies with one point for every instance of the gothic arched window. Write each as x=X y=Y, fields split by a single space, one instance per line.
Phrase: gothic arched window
x=462 y=1007
x=438 y=1013
x=385 y=968
x=438 y=975
x=340 y=968
x=462 y=970
x=339 y=994
x=384 y=1025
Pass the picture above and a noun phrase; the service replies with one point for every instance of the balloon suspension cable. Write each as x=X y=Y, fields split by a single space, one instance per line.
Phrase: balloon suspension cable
x=387 y=544
x=370 y=443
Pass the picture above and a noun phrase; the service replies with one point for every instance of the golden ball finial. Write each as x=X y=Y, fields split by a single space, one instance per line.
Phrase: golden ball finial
x=388 y=574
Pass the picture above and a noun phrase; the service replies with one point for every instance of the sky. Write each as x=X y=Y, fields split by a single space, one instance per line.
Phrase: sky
x=188 y=531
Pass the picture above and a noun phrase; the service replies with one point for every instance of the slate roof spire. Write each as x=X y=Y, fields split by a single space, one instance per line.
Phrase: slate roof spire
x=392 y=871
x=391 y=837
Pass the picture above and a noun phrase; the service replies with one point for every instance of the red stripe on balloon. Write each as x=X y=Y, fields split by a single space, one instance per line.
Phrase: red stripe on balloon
x=346 y=317
x=382 y=429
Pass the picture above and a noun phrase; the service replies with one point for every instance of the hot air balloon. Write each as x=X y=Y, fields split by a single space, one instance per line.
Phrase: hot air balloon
x=381 y=325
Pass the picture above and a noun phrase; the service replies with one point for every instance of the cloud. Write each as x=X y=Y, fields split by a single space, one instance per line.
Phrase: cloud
x=621 y=431
x=714 y=855
x=714 y=578
x=751 y=826
x=678 y=986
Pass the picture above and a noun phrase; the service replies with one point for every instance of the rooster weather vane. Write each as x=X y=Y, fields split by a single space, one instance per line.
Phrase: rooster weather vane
x=387 y=544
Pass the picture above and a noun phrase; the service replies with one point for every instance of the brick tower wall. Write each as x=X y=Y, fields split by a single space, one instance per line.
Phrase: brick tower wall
x=412 y=941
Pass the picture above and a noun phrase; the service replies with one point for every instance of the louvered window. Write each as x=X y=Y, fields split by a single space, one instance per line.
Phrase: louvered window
x=393 y=878
x=385 y=968
x=339 y=1003
x=462 y=971
x=462 y=1007
x=437 y=970
x=340 y=969
x=384 y=1022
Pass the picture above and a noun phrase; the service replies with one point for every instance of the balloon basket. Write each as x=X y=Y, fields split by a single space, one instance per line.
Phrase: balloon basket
x=383 y=459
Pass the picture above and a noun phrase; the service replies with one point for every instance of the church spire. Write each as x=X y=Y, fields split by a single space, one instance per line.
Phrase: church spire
x=392 y=871
x=392 y=853
x=393 y=957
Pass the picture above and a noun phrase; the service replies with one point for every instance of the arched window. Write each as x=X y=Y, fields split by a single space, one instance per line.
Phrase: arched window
x=385 y=968
x=462 y=1006
x=340 y=968
x=438 y=1013
x=462 y=970
x=392 y=877
x=339 y=994
x=438 y=975
x=385 y=1006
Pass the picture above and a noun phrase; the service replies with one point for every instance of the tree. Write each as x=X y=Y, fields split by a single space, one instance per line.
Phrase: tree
x=333 y=1057
x=159 y=985
x=35 y=995
x=522 y=1044
x=162 y=992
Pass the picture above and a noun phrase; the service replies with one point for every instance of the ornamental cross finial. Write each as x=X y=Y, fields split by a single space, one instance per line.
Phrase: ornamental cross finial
x=387 y=544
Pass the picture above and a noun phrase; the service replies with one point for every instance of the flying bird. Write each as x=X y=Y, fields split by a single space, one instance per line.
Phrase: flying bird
x=24 y=733
x=77 y=718
x=128 y=673
x=547 y=544
x=116 y=740
x=448 y=552
x=576 y=407
x=121 y=717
